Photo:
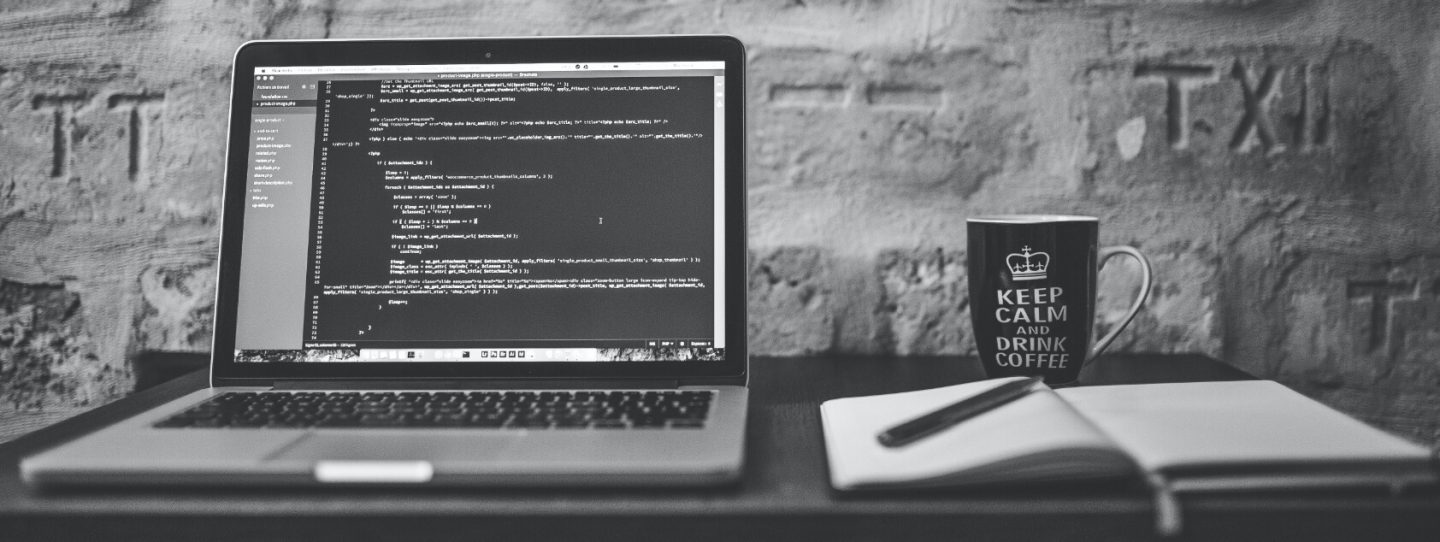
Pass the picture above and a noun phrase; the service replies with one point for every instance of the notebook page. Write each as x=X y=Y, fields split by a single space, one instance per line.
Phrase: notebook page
x=1038 y=422
x=1211 y=424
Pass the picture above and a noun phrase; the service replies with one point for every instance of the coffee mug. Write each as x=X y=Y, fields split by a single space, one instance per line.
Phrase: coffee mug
x=1032 y=293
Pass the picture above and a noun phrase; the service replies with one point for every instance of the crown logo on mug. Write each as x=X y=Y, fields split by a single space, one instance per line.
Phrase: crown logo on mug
x=1027 y=266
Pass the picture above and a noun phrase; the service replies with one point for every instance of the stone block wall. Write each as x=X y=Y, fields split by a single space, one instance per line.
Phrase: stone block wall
x=1274 y=158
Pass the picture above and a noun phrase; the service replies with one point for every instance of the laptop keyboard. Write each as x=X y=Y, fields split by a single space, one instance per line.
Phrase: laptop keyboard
x=487 y=409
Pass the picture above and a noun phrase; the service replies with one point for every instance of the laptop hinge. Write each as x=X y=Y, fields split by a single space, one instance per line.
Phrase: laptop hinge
x=714 y=381
x=510 y=384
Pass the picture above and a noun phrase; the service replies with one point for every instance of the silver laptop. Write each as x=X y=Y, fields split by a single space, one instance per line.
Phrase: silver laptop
x=466 y=262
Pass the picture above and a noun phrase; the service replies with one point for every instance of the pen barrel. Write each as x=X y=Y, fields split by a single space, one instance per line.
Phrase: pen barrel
x=957 y=412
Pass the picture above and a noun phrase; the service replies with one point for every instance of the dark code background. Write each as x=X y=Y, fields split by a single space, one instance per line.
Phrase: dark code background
x=622 y=199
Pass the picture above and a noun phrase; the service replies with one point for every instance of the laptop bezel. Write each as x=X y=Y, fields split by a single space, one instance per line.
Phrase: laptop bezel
x=226 y=371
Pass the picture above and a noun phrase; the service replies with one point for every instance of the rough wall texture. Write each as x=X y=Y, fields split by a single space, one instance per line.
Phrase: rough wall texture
x=1273 y=157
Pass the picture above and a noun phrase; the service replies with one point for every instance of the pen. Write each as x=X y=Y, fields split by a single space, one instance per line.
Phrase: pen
x=954 y=413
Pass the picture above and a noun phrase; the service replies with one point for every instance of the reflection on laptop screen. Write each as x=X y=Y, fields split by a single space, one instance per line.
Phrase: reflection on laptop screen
x=520 y=212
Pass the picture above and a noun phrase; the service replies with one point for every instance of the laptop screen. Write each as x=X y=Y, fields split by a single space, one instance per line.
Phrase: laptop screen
x=552 y=212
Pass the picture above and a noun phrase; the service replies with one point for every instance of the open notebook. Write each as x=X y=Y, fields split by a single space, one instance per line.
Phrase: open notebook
x=1180 y=437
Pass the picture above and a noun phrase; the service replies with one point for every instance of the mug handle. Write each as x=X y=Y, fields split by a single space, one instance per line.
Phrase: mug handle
x=1105 y=254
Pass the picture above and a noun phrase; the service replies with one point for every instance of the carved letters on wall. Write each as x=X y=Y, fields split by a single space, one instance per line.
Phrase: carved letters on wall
x=1261 y=84
x=68 y=111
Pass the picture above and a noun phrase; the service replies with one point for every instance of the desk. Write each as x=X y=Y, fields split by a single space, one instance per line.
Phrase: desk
x=784 y=494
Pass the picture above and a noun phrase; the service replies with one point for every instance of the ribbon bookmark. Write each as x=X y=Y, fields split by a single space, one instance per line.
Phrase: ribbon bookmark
x=1167 y=507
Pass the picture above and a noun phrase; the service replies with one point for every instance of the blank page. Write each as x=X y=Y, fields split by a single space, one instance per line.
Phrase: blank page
x=1037 y=423
x=1216 y=424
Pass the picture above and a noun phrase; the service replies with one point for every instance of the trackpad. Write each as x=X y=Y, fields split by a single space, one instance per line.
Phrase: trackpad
x=426 y=446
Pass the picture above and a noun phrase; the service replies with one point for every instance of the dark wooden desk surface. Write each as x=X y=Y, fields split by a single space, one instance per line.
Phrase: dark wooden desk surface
x=784 y=493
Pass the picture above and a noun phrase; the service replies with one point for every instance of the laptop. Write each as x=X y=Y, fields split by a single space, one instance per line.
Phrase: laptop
x=466 y=262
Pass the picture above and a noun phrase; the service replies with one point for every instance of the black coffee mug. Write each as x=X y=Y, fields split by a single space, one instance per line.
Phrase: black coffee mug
x=1032 y=293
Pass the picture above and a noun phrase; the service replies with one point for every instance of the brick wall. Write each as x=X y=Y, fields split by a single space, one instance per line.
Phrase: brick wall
x=1273 y=157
